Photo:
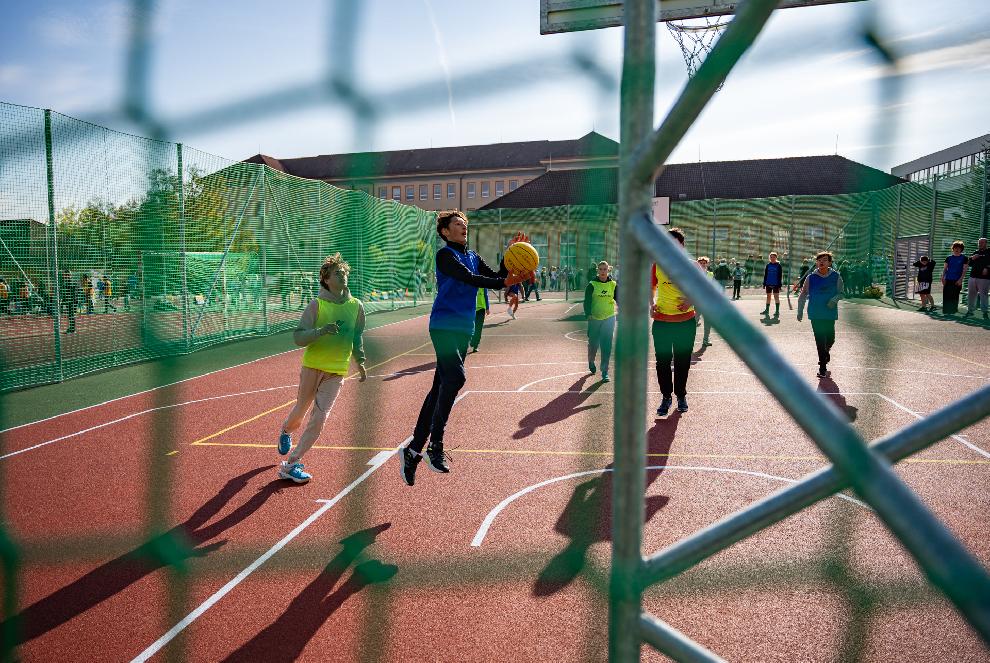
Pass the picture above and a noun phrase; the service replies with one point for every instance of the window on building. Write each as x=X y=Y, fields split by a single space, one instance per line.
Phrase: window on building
x=383 y=192
x=397 y=193
x=423 y=192
x=539 y=242
x=499 y=188
x=436 y=191
x=486 y=189
x=451 y=190
x=568 y=250
x=471 y=190
x=596 y=246
x=410 y=192
x=513 y=185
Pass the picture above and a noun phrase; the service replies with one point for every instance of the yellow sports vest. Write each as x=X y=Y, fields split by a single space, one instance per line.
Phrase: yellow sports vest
x=602 y=299
x=668 y=295
x=331 y=353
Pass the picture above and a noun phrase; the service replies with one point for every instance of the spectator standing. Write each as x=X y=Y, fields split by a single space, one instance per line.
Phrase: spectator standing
x=952 y=275
x=979 y=278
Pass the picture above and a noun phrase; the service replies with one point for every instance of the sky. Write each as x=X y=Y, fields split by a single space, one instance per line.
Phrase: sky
x=238 y=78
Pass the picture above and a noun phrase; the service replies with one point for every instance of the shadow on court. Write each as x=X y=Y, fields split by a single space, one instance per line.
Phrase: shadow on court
x=287 y=637
x=830 y=390
x=412 y=370
x=587 y=517
x=560 y=408
x=174 y=546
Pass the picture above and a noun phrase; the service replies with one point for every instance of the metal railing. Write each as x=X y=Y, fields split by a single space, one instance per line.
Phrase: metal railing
x=866 y=468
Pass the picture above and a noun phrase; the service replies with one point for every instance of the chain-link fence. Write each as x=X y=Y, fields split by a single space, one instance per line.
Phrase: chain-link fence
x=116 y=248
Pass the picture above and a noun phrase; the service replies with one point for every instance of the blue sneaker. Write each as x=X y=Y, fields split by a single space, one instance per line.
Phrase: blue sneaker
x=284 y=443
x=293 y=472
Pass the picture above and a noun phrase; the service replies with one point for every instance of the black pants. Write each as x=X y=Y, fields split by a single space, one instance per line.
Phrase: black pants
x=824 y=339
x=736 y=285
x=449 y=377
x=69 y=308
x=950 y=297
x=673 y=341
x=479 y=323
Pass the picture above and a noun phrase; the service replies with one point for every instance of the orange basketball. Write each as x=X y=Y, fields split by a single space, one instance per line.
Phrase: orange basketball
x=521 y=258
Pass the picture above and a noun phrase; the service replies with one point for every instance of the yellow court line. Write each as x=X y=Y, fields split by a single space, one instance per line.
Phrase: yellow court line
x=246 y=421
x=545 y=452
x=201 y=441
x=171 y=453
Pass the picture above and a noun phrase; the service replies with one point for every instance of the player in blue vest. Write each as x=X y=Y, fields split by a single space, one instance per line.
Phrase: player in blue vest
x=773 y=277
x=460 y=272
x=822 y=291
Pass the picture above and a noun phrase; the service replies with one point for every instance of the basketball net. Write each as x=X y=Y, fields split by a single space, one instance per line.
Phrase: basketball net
x=696 y=39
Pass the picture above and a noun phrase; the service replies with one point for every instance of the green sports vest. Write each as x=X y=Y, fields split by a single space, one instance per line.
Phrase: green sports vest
x=332 y=353
x=602 y=299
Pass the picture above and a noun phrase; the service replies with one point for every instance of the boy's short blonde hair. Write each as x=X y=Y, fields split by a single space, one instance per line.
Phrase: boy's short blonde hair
x=773 y=253
x=825 y=254
x=330 y=265
x=604 y=262
x=705 y=258
x=959 y=244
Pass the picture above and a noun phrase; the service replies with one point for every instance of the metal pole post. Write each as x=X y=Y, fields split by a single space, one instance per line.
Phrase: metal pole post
x=629 y=476
x=790 y=249
x=186 y=340
x=986 y=203
x=53 y=249
x=264 y=251
x=931 y=230
x=893 y=253
x=711 y=258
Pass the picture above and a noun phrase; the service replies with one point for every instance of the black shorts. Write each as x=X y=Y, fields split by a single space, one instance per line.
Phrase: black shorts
x=773 y=288
x=923 y=289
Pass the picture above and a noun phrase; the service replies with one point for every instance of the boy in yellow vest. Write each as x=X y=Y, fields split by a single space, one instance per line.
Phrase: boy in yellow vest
x=330 y=330
x=599 y=306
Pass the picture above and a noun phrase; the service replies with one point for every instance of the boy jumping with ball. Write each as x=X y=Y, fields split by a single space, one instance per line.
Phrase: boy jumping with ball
x=330 y=330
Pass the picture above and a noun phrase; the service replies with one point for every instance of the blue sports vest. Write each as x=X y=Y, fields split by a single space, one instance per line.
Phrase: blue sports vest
x=455 y=303
x=774 y=274
x=821 y=289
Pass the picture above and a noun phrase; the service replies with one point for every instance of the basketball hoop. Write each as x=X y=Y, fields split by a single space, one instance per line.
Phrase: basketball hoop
x=696 y=38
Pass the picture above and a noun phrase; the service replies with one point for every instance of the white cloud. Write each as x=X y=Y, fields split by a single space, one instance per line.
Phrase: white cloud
x=11 y=74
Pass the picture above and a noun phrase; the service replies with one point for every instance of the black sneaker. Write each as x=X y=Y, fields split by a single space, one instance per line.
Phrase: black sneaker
x=407 y=468
x=436 y=459
x=823 y=373
x=682 y=404
x=664 y=408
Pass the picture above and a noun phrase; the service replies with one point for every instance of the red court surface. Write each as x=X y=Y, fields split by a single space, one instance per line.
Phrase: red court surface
x=505 y=558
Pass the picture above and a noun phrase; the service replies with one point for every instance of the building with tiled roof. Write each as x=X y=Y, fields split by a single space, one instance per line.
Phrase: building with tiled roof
x=465 y=177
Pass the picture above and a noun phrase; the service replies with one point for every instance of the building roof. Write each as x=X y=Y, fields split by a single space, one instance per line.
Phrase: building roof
x=530 y=154
x=972 y=146
x=756 y=178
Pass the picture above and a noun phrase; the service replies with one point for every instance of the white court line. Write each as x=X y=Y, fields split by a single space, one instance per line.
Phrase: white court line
x=552 y=377
x=137 y=414
x=479 y=537
x=236 y=580
x=577 y=331
x=171 y=384
x=958 y=438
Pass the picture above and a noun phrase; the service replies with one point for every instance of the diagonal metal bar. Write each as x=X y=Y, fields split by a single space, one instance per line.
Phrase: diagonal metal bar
x=649 y=157
x=944 y=560
x=817 y=486
x=673 y=643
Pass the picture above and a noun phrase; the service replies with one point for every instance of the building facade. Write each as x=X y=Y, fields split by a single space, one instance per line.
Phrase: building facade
x=956 y=160
x=465 y=178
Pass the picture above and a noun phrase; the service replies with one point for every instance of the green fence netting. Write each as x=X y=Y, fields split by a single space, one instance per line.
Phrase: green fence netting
x=116 y=248
x=861 y=229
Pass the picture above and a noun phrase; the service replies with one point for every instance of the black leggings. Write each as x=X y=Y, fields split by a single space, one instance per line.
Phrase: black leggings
x=824 y=339
x=479 y=324
x=449 y=377
x=673 y=341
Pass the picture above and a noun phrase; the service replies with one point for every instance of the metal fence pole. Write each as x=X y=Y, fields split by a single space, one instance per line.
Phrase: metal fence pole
x=186 y=341
x=892 y=287
x=986 y=202
x=629 y=476
x=53 y=249
x=264 y=252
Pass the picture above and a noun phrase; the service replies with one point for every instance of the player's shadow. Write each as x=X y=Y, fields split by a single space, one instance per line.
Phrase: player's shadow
x=830 y=390
x=587 y=517
x=412 y=370
x=178 y=544
x=560 y=408
x=492 y=325
x=287 y=637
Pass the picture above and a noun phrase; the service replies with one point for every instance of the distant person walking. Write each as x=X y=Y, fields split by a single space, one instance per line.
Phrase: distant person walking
x=599 y=307
x=822 y=291
x=773 y=278
x=926 y=272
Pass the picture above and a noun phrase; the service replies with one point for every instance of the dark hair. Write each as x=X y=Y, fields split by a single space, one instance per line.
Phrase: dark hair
x=331 y=264
x=826 y=254
x=678 y=234
x=445 y=218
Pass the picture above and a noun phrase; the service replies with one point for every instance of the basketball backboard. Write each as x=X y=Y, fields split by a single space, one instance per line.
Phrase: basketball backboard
x=574 y=15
